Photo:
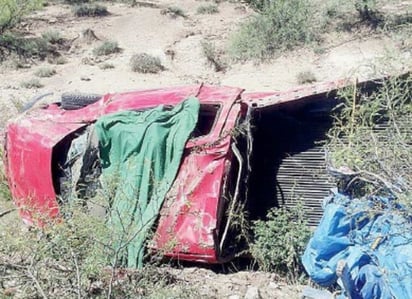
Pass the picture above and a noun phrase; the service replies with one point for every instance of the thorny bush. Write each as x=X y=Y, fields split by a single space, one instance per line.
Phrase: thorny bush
x=372 y=135
x=280 y=25
x=12 y=11
x=280 y=241
x=70 y=258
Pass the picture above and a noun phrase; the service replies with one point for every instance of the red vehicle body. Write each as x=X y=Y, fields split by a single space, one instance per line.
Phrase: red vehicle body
x=211 y=175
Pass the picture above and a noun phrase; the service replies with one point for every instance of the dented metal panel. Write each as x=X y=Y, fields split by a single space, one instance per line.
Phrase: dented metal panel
x=261 y=100
x=188 y=224
x=29 y=167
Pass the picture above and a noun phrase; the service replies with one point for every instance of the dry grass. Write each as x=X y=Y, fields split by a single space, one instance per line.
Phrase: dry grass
x=106 y=66
x=90 y=10
x=106 y=48
x=45 y=72
x=173 y=12
x=306 y=77
x=52 y=36
x=57 y=60
x=32 y=83
x=145 y=63
x=212 y=56
x=207 y=9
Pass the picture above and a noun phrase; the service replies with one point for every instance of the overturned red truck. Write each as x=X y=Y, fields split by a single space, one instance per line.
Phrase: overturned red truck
x=258 y=150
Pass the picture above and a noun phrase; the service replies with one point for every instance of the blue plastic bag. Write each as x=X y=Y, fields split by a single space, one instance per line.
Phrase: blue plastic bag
x=373 y=236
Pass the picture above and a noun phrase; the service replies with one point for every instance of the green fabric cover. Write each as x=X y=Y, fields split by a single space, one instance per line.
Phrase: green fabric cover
x=140 y=154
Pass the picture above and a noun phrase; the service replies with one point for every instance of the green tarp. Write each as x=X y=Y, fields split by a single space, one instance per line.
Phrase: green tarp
x=140 y=154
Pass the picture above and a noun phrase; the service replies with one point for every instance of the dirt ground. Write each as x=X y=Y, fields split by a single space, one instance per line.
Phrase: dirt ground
x=177 y=42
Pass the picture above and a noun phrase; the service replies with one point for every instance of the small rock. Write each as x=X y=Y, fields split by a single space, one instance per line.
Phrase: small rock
x=87 y=61
x=273 y=285
x=252 y=293
x=83 y=78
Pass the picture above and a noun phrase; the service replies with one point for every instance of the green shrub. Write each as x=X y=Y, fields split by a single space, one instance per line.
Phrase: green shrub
x=90 y=10
x=212 y=56
x=106 y=66
x=57 y=59
x=367 y=10
x=208 y=9
x=45 y=72
x=306 y=77
x=22 y=46
x=72 y=258
x=4 y=187
x=52 y=36
x=15 y=63
x=258 y=4
x=280 y=241
x=106 y=48
x=173 y=11
x=62 y=259
x=372 y=136
x=12 y=12
x=145 y=63
x=32 y=83
x=73 y=2
x=352 y=14
x=281 y=25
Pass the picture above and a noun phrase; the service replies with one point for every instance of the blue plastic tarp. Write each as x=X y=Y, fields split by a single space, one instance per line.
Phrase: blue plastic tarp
x=373 y=236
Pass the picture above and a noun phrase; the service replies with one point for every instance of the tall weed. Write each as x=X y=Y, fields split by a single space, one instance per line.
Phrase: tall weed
x=12 y=12
x=280 y=25
x=280 y=241
x=372 y=136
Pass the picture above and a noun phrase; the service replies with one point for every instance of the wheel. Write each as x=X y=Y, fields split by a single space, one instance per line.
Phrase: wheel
x=73 y=101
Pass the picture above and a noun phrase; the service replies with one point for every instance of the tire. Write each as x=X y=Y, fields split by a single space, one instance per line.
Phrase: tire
x=73 y=101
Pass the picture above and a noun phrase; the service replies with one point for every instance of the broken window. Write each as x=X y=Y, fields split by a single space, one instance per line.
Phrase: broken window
x=207 y=118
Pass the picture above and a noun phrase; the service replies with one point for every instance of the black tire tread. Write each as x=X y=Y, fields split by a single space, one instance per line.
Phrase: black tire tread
x=76 y=100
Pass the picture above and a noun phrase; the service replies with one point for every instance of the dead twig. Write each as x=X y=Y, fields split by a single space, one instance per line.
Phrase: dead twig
x=36 y=282
x=79 y=286
x=6 y=212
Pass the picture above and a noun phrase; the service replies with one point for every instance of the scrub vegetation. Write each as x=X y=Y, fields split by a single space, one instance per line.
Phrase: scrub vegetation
x=106 y=66
x=106 y=48
x=212 y=56
x=208 y=9
x=45 y=72
x=306 y=77
x=145 y=63
x=278 y=26
x=90 y=10
x=173 y=12
x=279 y=242
x=32 y=83
x=372 y=136
x=13 y=11
x=284 y=25
x=52 y=37
x=69 y=259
